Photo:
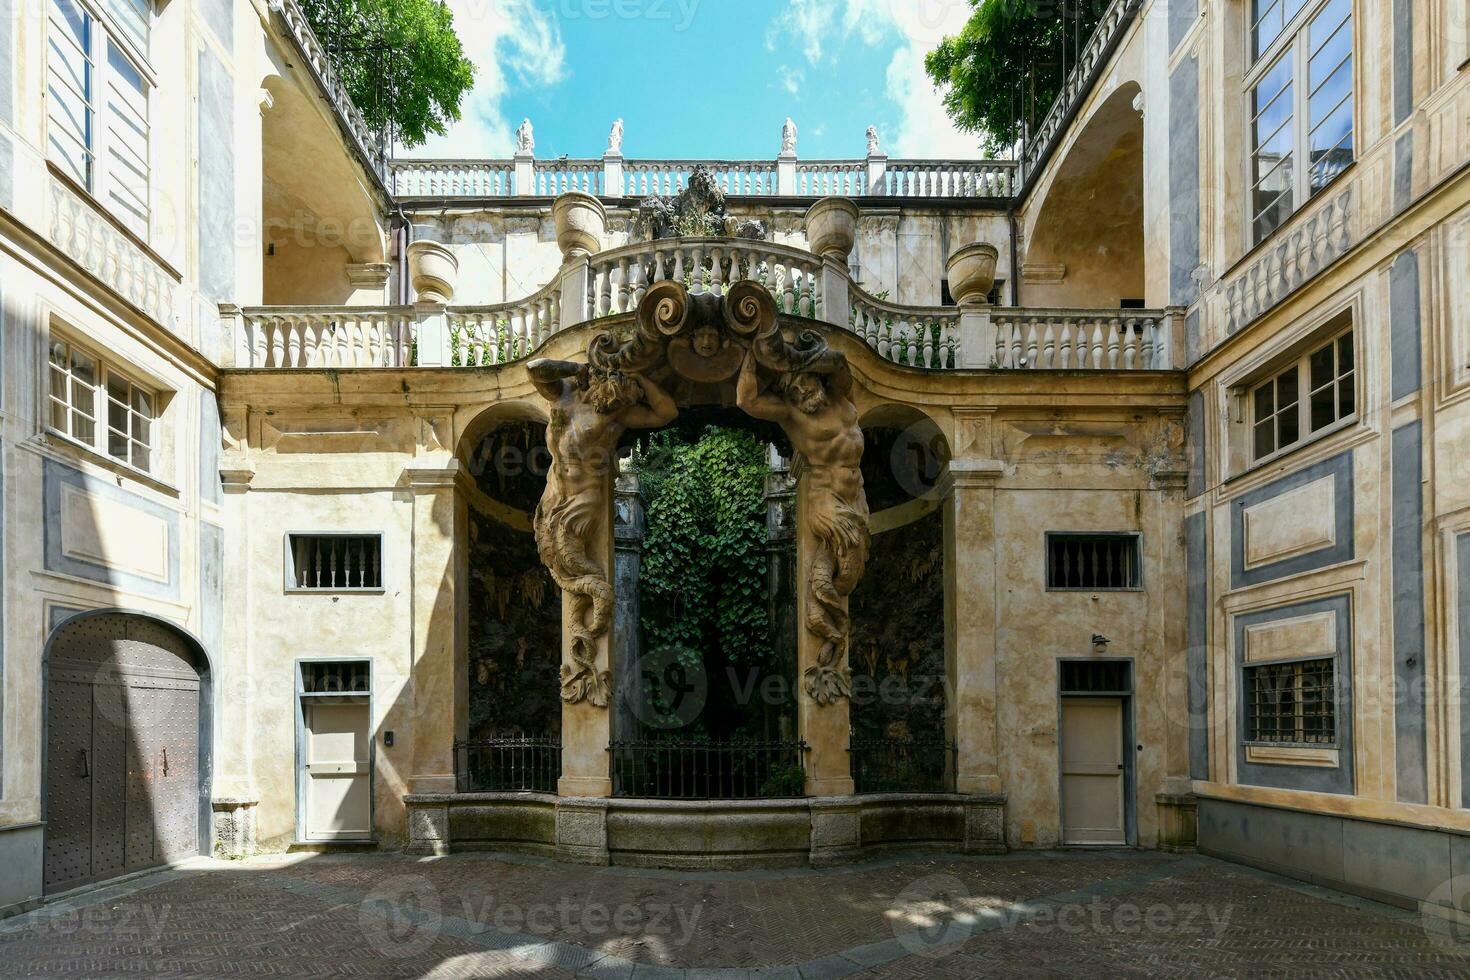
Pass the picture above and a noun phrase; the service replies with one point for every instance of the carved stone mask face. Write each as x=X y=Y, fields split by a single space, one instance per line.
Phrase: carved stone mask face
x=706 y=341
x=806 y=393
x=611 y=391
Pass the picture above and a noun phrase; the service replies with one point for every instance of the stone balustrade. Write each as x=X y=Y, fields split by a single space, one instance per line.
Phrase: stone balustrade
x=612 y=176
x=1080 y=80
x=612 y=284
x=1099 y=340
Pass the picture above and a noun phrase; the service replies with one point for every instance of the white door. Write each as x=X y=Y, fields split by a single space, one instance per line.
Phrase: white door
x=337 y=780
x=1092 y=771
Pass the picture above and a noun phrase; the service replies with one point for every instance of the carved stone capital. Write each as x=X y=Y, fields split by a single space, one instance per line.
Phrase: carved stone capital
x=426 y=477
x=966 y=474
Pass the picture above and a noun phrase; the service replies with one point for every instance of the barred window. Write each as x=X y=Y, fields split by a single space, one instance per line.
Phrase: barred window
x=1291 y=702
x=1094 y=562
x=335 y=562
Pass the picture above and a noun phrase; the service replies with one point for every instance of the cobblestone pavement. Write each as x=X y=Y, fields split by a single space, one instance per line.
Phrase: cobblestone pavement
x=1116 y=914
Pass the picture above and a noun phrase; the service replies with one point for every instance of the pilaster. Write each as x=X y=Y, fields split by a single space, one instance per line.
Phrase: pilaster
x=824 y=727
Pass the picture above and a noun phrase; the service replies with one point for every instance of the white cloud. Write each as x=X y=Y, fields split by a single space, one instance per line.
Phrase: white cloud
x=807 y=21
x=792 y=79
x=924 y=129
x=508 y=41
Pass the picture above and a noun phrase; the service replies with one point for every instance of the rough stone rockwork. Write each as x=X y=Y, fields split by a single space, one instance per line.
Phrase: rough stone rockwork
x=234 y=826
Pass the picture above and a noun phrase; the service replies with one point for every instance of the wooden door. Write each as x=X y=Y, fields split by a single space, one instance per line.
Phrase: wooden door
x=1093 y=774
x=336 y=780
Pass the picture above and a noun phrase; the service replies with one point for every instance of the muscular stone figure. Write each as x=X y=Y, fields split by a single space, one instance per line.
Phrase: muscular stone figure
x=590 y=409
x=815 y=409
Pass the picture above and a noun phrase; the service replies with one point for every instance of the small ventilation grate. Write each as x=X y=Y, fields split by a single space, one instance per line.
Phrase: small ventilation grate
x=1092 y=561
x=336 y=562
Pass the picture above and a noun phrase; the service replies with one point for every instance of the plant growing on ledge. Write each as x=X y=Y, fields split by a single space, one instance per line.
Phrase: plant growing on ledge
x=1002 y=71
x=401 y=61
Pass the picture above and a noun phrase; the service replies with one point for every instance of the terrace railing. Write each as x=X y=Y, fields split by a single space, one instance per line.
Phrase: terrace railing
x=612 y=283
x=510 y=763
x=892 y=765
x=684 y=769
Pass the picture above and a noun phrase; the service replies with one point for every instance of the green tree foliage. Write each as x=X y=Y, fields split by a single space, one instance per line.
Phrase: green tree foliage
x=1005 y=66
x=703 y=577
x=401 y=61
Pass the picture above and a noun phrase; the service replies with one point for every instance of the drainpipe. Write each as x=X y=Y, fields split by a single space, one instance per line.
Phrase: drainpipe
x=402 y=235
x=1015 y=257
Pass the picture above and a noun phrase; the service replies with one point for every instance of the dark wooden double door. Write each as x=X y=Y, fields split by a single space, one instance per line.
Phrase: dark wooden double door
x=122 y=750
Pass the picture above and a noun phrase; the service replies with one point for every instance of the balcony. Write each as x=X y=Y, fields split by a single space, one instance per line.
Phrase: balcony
x=610 y=284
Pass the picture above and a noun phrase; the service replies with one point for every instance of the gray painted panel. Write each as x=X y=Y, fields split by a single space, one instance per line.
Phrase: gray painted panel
x=1182 y=15
x=4 y=562
x=1400 y=860
x=211 y=586
x=1403 y=172
x=1410 y=730
x=210 y=488
x=216 y=179
x=7 y=173
x=54 y=476
x=1315 y=778
x=1195 y=417
x=1462 y=548
x=1405 y=330
x=1307 y=843
x=20 y=856
x=1184 y=214
x=1192 y=340
x=219 y=15
x=59 y=615
x=1196 y=627
x=1340 y=468
x=1403 y=60
x=7 y=63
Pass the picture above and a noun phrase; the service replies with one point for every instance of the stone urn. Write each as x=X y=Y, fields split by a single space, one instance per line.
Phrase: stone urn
x=581 y=223
x=831 y=227
x=971 y=272
x=433 y=270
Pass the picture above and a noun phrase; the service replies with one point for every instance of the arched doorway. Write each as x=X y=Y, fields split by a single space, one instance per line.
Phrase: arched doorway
x=127 y=747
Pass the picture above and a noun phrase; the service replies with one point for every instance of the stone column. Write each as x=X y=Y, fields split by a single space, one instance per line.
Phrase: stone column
x=586 y=728
x=824 y=727
x=968 y=487
x=439 y=673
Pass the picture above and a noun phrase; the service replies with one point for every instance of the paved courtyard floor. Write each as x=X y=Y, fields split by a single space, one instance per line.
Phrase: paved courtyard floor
x=1112 y=914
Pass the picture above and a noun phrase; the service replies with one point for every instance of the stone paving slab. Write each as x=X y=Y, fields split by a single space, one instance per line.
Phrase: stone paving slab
x=1113 y=913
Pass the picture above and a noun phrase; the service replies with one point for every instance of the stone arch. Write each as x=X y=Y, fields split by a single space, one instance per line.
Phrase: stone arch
x=1085 y=243
x=129 y=651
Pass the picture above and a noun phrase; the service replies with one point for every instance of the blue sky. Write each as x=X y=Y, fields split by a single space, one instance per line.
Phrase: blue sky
x=703 y=78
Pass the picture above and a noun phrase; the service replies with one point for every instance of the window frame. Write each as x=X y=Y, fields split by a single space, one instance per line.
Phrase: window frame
x=1049 y=536
x=1299 y=716
x=288 y=564
x=99 y=180
x=104 y=370
x=1294 y=40
x=1331 y=336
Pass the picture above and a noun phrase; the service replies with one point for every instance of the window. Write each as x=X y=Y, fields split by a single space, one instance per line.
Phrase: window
x=334 y=562
x=336 y=677
x=1301 y=104
x=1291 y=702
x=78 y=383
x=1314 y=393
x=97 y=103
x=1094 y=562
x=1095 y=677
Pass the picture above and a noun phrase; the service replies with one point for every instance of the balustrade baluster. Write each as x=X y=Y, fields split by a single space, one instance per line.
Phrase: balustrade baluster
x=1048 y=346
x=1096 y=359
x=1130 y=343
x=624 y=292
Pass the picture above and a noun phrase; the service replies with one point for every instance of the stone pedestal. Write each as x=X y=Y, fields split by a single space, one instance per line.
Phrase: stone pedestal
x=581 y=831
x=837 y=831
x=428 y=827
x=1178 y=822
x=968 y=486
x=985 y=824
x=234 y=826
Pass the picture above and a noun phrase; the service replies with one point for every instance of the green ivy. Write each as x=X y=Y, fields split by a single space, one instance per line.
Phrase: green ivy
x=703 y=576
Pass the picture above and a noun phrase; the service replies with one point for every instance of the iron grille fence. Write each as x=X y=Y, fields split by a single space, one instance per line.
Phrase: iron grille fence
x=509 y=763
x=894 y=765
x=678 y=769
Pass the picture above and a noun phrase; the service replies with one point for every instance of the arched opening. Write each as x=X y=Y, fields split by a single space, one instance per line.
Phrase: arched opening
x=899 y=705
x=128 y=747
x=514 y=614
x=1086 y=244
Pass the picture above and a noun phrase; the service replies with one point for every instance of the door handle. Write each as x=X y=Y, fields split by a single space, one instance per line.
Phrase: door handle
x=165 y=760
x=1120 y=767
x=86 y=761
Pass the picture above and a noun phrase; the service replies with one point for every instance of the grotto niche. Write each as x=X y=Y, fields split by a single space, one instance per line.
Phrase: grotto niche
x=514 y=606
x=899 y=740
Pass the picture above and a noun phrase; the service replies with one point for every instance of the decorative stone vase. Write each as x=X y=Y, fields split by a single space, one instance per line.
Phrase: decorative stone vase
x=971 y=272
x=581 y=223
x=433 y=270
x=831 y=227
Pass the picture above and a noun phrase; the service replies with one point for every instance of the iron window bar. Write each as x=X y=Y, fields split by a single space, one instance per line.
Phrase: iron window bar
x=507 y=764
x=688 y=769
x=903 y=765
